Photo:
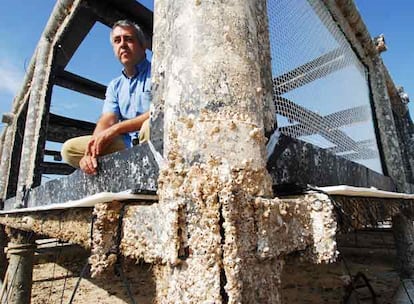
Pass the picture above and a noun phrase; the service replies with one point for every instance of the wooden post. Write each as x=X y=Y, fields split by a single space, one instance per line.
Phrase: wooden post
x=20 y=251
x=403 y=230
x=212 y=82
x=3 y=258
x=39 y=100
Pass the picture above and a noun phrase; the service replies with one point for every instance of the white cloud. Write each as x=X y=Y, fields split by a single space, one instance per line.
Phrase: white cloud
x=11 y=77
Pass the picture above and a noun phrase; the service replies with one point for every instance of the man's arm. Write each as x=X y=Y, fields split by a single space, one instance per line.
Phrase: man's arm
x=106 y=130
x=104 y=137
x=88 y=163
x=105 y=121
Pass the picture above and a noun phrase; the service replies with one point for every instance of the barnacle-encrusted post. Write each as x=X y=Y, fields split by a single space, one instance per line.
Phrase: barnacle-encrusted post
x=212 y=81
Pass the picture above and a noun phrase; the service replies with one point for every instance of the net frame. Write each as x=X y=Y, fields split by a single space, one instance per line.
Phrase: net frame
x=320 y=87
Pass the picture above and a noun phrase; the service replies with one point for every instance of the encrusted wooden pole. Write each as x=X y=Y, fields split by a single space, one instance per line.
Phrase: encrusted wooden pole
x=386 y=124
x=403 y=230
x=212 y=80
x=40 y=95
x=20 y=251
x=3 y=259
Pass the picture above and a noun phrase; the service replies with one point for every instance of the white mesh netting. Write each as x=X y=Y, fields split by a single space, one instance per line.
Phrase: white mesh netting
x=320 y=87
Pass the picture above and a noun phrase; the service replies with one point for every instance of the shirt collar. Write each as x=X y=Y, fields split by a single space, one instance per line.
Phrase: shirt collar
x=139 y=67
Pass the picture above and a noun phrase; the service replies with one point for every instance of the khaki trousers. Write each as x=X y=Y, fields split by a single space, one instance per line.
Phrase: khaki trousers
x=74 y=149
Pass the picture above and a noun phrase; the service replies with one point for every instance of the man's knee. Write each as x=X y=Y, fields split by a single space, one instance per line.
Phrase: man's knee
x=73 y=150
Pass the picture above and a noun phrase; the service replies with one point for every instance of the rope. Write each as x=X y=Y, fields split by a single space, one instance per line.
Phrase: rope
x=85 y=267
x=406 y=291
x=401 y=280
x=341 y=216
x=118 y=264
x=64 y=286
x=53 y=271
x=118 y=268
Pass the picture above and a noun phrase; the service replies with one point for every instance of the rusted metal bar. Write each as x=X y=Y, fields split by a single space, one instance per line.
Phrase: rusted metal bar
x=77 y=28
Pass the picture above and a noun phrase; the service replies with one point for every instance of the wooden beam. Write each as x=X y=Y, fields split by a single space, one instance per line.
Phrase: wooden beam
x=75 y=32
x=56 y=154
x=333 y=121
x=56 y=168
x=62 y=128
x=319 y=167
x=80 y=84
x=318 y=68
x=317 y=125
x=108 y=12
x=13 y=173
x=131 y=169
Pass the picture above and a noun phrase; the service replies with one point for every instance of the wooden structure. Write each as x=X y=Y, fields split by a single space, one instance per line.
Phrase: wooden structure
x=216 y=233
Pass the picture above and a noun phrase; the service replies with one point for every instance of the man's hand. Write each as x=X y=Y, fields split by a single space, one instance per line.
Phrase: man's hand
x=89 y=164
x=100 y=141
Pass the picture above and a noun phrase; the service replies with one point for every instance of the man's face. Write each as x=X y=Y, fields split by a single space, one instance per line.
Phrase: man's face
x=126 y=46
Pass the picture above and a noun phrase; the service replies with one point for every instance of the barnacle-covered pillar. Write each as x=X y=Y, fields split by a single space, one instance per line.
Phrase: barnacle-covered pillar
x=212 y=82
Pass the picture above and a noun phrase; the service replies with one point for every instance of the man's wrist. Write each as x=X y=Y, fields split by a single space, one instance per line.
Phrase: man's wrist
x=116 y=129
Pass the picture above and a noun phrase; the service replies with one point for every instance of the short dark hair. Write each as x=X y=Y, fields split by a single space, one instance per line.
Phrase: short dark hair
x=137 y=29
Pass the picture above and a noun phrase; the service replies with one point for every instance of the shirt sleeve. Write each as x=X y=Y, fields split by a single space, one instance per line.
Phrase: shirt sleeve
x=111 y=104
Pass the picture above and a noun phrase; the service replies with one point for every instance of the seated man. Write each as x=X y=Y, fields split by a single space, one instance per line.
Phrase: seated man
x=125 y=115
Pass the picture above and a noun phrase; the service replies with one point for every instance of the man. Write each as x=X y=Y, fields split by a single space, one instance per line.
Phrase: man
x=125 y=115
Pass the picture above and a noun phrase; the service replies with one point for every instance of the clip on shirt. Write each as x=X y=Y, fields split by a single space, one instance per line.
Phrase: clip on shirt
x=135 y=141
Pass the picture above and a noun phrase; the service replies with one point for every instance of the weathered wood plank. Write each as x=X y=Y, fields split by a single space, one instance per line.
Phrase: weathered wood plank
x=15 y=155
x=294 y=161
x=56 y=168
x=80 y=84
x=134 y=169
x=76 y=31
x=62 y=128
x=108 y=12
x=56 y=154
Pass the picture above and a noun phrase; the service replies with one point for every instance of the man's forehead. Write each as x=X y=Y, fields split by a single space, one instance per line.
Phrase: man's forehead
x=123 y=31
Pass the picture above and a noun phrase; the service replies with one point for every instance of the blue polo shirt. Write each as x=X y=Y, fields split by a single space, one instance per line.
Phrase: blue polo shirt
x=130 y=97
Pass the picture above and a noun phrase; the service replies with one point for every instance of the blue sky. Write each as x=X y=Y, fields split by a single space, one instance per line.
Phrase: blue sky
x=395 y=20
x=23 y=21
